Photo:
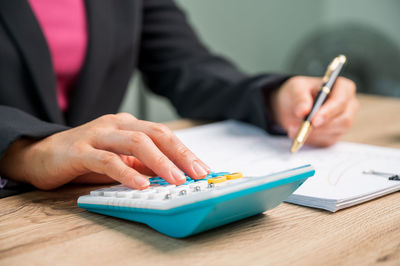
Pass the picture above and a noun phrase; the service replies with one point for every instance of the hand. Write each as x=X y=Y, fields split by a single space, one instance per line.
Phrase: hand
x=112 y=147
x=294 y=100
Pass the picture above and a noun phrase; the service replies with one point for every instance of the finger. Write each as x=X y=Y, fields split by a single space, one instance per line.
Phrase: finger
x=93 y=178
x=342 y=94
x=173 y=148
x=343 y=122
x=138 y=144
x=337 y=126
x=137 y=165
x=329 y=133
x=168 y=143
x=302 y=102
x=110 y=164
x=302 y=93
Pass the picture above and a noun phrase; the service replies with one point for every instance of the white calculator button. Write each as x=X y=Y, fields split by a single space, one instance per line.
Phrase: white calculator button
x=219 y=184
x=110 y=193
x=166 y=188
x=182 y=190
x=157 y=196
x=170 y=196
x=161 y=189
x=126 y=194
x=151 y=195
x=199 y=185
x=182 y=187
x=172 y=189
x=100 y=192
x=143 y=194
x=97 y=193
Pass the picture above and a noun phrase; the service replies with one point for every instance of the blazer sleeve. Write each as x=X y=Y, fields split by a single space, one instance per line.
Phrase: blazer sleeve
x=174 y=63
x=16 y=123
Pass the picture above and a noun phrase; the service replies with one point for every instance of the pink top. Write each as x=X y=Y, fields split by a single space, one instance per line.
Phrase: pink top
x=63 y=23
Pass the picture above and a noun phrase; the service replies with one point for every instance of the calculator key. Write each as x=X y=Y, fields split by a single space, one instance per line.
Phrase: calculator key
x=234 y=176
x=97 y=193
x=100 y=192
x=143 y=194
x=169 y=196
x=126 y=194
x=219 y=174
x=164 y=183
x=160 y=189
x=166 y=188
x=181 y=187
x=157 y=196
x=182 y=190
x=217 y=179
x=199 y=185
x=112 y=192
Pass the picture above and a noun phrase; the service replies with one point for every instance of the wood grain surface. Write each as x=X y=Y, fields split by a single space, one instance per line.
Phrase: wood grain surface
x=47 y=228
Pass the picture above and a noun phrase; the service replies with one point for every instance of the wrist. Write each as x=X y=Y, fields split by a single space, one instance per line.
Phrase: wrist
x=14 y=160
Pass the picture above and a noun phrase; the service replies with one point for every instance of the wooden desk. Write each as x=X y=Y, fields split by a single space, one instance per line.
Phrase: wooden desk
x=47 y=227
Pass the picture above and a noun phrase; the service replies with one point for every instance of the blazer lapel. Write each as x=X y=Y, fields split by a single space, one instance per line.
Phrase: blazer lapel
x=28 y=36
x=98 y=56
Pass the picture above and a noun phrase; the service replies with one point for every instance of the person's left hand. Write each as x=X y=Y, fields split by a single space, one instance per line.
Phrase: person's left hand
x=294 y=100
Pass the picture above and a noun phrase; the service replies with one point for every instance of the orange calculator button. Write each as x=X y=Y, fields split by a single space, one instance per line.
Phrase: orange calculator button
x=217 y=179
x=234 y=176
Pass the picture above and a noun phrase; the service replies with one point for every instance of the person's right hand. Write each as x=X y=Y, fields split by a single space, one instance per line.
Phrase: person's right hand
x=118 y=146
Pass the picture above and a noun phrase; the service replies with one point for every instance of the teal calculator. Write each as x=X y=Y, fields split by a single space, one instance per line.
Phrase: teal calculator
x=197 y=205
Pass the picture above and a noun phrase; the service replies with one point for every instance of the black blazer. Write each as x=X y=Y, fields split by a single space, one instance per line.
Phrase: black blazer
x=152 y=36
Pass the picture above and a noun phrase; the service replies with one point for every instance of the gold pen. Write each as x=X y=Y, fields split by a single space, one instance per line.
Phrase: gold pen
x=328 y=81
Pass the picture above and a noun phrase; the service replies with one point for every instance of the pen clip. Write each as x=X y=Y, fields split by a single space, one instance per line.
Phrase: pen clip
x=341 y=59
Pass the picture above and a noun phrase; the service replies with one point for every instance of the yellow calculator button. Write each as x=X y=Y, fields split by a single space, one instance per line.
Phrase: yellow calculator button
x=217 y=179
x=234 y=176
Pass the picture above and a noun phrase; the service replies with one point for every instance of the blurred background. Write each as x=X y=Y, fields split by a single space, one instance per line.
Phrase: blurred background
x=298 y=37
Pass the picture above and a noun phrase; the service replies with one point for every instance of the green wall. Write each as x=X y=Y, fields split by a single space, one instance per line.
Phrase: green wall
x=261 y=35
x=258 y=35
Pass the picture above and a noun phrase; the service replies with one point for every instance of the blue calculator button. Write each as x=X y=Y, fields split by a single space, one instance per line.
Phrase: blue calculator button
x=220 y=174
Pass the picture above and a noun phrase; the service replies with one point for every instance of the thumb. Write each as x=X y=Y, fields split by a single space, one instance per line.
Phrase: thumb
x=303 y=104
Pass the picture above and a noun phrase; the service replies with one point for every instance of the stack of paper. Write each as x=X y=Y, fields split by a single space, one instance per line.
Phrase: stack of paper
x=339 y=181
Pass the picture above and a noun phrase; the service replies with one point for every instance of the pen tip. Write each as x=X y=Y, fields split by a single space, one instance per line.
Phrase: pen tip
x=295 y=146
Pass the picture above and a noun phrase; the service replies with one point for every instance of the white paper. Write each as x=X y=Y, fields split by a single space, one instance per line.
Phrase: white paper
x=234 y=146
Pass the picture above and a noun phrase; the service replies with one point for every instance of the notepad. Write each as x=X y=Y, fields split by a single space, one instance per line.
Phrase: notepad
x=338 y=182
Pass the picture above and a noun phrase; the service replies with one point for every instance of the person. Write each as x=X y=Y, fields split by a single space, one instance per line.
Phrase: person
x=65 y=66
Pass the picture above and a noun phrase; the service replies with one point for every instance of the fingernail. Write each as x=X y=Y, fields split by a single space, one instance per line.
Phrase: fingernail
x=206 y=167
x=199 y=170
x=178 y=175
x=318 y=121
x=142 y=182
